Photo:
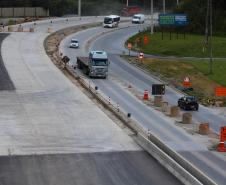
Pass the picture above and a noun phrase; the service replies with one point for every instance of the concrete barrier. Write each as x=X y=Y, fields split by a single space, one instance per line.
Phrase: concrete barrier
x=20 y=28
x=165 y=107
x=174 y=111
x=170 y=164
x=158 y=101
x=174 y=162
x=190 y=168
x=32 y=29
x=204 y=128
x=10 y=29
x=186 y=118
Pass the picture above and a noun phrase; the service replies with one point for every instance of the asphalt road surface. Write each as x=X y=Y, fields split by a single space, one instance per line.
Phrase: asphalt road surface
x=108 y=168
x=5 y=81
x=52 y=134
x=122 y=75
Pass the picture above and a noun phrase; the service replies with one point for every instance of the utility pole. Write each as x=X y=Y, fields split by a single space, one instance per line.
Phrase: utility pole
x=177 y=2
x=164 y=6
x=152 y=18
x=207 y=23
x=211 y=36
x=127 y=3
x=79 y=8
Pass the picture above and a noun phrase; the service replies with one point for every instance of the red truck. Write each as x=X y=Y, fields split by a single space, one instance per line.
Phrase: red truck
x=131 y=10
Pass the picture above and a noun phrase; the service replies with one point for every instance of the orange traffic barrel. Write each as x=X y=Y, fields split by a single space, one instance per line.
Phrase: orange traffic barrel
x=146 y=95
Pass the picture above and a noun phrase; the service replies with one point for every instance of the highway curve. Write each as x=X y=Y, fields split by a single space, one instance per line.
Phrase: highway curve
x=122 y=75
x=51 y=133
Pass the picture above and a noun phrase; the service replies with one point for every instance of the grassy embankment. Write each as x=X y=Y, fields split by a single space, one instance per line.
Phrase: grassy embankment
x=174 y=70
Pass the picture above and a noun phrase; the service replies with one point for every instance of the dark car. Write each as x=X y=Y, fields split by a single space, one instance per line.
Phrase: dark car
x=188 y=103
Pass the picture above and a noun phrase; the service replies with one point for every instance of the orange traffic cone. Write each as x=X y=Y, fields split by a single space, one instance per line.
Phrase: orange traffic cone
x=146 y=96
x=221 y=147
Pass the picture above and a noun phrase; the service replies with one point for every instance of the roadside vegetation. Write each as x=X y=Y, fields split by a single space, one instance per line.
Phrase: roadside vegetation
x=178 y=44
x=89 y=7
x=174 y=71
x=188 y=41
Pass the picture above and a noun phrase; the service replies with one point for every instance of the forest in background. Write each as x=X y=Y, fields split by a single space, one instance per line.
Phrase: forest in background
x=195 y=9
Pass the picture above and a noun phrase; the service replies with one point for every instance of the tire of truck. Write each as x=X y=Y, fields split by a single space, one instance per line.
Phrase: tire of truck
x=85 y=70
x=79 y=65
x=196 y=108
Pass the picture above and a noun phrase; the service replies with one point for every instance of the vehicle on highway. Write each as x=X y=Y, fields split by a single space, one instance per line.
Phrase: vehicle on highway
x=74 y=43
x=96 y=65
x=188 y=103
x=138 y=19
x=111 y=21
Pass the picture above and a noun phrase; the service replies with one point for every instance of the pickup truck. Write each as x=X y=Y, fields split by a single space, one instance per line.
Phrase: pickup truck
x=96 y=65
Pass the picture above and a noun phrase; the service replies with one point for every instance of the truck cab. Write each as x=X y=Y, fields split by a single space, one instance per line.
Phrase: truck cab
x=98 y=64
x=95 y=65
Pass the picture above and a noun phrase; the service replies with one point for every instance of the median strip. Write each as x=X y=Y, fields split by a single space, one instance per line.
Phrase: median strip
x=174 y=162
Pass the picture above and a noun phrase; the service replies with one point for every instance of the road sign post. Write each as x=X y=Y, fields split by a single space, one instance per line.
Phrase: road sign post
x=129 y=46
x=140 y=57
x=186 y=82
x=158 y=89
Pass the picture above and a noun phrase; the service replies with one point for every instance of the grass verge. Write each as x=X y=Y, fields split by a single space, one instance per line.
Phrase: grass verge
x=174 y=71
x=190 y=46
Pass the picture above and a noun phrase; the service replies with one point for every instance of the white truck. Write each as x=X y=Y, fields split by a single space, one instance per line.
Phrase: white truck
x=138 y=19
x=96 y=65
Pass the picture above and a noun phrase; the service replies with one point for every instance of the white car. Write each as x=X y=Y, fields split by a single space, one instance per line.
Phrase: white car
x=74 y=43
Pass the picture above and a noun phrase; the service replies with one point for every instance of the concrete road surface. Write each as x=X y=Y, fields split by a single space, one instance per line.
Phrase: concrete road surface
x=46 y=114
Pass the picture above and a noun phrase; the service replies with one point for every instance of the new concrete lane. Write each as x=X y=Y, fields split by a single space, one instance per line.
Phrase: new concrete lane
x=122 y=74
x=47 y=114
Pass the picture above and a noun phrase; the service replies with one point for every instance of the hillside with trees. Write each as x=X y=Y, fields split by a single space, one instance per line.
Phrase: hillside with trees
x=196 y=11
x=89 y=7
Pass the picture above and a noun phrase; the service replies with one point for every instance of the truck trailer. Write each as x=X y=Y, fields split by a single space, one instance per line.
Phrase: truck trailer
x=96 y=65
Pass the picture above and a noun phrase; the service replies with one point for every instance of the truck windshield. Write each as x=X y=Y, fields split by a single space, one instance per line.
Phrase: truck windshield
x=100 y=62
x=74 y=41
x=191 y=98
x=107 y=20
x=136 y=17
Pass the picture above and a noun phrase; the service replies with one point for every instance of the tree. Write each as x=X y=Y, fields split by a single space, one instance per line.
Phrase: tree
x=196 y=11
